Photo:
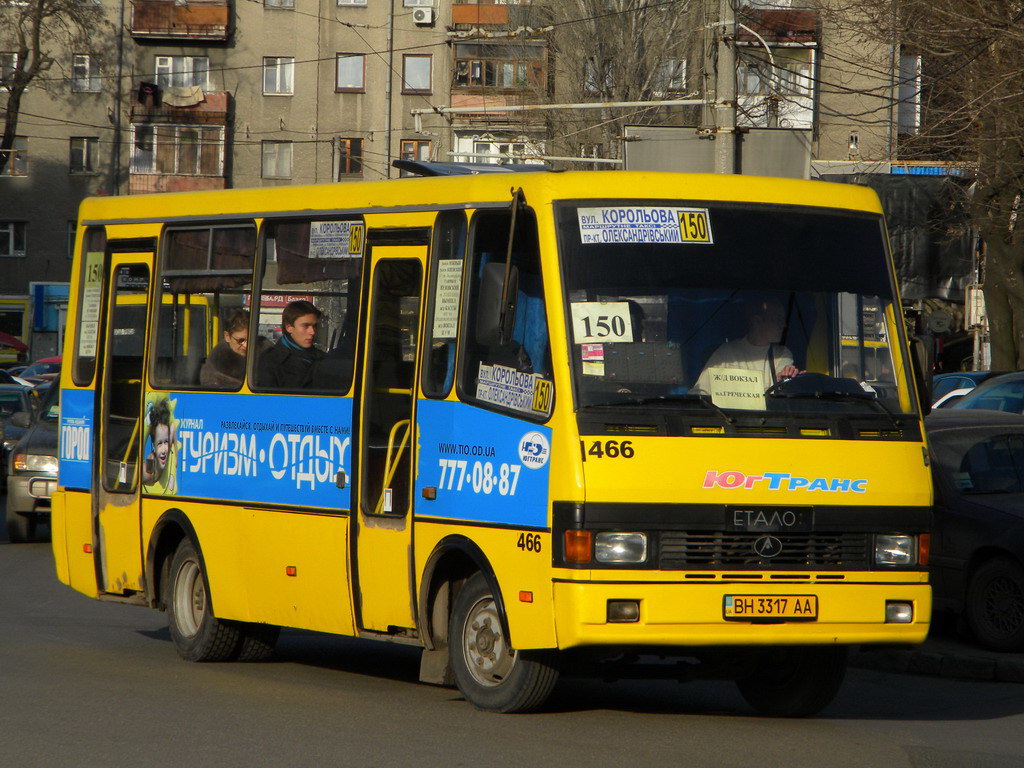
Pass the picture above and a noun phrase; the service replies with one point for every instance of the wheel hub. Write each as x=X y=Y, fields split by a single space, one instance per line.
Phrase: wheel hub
x=490 y=659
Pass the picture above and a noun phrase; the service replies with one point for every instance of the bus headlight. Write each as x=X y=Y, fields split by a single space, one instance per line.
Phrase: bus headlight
x=35 y=462
x=895 y=550
x=620 y=547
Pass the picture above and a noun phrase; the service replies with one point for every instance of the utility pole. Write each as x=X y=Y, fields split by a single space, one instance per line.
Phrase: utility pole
x=725 y=90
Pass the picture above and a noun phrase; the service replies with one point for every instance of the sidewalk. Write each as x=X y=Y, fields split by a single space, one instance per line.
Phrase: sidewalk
x=944 y=654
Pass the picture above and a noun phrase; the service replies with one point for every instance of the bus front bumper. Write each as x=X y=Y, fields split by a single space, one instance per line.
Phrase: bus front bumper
x=689 y=614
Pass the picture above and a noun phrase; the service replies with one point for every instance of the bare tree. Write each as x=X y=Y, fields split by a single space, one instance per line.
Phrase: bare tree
x=32 y=34
x=970 y=106
x=621 y=50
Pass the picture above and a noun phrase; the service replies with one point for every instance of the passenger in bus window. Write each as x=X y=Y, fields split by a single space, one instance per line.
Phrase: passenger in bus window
x=292 y=362
x=758 y=351
x=225 y=367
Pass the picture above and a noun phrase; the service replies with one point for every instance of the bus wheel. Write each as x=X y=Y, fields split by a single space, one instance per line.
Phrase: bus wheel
x=197 y=634
x=258 y=641
x=488 y=671
x=995 y=605
x=795 y=682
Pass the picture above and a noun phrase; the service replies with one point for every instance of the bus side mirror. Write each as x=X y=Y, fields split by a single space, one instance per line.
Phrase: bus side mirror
x=921 y=361
x=494 y=327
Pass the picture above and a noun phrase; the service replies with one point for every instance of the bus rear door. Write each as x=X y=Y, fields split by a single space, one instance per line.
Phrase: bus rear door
x=387 y=440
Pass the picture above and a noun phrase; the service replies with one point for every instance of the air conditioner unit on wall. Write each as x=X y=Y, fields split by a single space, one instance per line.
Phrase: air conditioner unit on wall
x=424 y=17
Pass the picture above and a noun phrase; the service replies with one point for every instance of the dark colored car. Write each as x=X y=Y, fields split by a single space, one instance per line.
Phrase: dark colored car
x=32 y=469
x=977 y=542
x=13 y=399
x=945 y=383
x=1000 y=393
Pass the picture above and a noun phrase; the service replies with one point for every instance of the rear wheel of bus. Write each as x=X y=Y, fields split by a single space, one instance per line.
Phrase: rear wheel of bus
x=197 y=634
x=794 y=682
x=491 y=674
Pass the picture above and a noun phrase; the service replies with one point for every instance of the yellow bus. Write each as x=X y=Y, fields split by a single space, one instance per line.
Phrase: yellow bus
x=729 y=468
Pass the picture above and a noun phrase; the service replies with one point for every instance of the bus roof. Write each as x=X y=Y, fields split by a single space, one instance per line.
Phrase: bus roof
x=469 y=191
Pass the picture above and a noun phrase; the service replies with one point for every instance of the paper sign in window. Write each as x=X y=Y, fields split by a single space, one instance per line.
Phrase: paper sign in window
x=446 y=298
x=601 y=322
x=737 y=388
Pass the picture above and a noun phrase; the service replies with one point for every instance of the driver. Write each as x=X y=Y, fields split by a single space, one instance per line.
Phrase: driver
x=759 y=350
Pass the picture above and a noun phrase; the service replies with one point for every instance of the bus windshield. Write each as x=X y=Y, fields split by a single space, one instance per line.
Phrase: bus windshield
x=741 y=307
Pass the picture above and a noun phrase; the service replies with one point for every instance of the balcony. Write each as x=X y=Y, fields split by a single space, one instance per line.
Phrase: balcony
x=472 y=16
x=205 y=20
x=212 y=110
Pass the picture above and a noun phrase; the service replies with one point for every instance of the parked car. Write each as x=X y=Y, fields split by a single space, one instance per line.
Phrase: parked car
x=946 y=384
x=6 y=377
x=1000 y=393
x=13 y=399
x=977 y=541
x=32 y=468
x=46 y=369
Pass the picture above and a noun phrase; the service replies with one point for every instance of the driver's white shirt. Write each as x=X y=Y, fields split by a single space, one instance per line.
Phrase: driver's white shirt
x=741 y=354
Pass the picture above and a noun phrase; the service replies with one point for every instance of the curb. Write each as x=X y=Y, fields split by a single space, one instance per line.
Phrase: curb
x=944 y=658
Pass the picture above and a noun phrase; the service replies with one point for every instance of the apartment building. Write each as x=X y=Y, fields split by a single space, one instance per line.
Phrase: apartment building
x=169 y=95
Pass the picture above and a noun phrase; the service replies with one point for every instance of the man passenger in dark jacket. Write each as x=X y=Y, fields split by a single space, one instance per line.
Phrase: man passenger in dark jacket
x=292 y=362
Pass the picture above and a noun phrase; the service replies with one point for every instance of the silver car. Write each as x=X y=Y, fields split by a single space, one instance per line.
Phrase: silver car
x=32 y=469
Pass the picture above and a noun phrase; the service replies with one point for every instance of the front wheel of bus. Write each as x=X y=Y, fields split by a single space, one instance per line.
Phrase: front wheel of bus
x=794 y=682
x=197 y=634
x=491 y=674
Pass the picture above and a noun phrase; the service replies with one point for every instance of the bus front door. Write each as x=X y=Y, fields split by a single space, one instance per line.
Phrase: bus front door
x=116 y=504
x=383 y=550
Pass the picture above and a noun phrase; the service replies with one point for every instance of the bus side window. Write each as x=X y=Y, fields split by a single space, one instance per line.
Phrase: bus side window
x=504 y=373
x=206 y=277
x=446 y=262
x=314 y=266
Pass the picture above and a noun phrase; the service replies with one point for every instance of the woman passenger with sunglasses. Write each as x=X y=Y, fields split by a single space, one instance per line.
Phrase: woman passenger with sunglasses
x=225 y=366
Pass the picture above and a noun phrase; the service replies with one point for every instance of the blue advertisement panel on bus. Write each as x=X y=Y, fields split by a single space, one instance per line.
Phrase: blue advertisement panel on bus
x=487 y=467
x=260 y=448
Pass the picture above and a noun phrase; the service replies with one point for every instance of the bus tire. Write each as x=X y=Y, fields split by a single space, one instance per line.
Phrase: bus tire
x=795 y=682
x=995 y=605
x=197 y=634
x=491 y=674
x=257 y=641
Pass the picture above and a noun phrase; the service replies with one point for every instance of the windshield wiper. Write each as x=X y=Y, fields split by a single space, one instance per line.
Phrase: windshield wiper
x=862 y=396
x=703 y=400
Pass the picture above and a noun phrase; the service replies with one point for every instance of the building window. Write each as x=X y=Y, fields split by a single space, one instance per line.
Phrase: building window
x=416 y=73
x=415 y=149
x=283 y=4
x=909 y=111
x=182 y=71
x=499 y=65
x=352 y=2
x=278 y=75
x=72 y=231
x=418 y=3
x=671 y=76
x=14 y=161
x=351 y=72
x=277 y=159
x=349 y=156
x=12 y=239
x=83 y=154
x=8 y=63
x=597 y=76
x=85 y=73
x=183 y=150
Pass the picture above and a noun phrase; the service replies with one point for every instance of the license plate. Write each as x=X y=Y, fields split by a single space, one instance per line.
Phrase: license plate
x=789 y=607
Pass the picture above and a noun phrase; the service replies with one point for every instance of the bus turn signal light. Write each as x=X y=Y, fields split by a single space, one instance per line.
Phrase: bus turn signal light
x=577 y=546
x=924 y=546
x=291 y=570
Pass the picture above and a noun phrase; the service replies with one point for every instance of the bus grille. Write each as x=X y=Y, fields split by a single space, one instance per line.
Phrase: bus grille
x=717 y=549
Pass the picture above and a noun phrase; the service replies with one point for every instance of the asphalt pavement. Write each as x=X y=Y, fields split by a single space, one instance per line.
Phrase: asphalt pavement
x=946 y=653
